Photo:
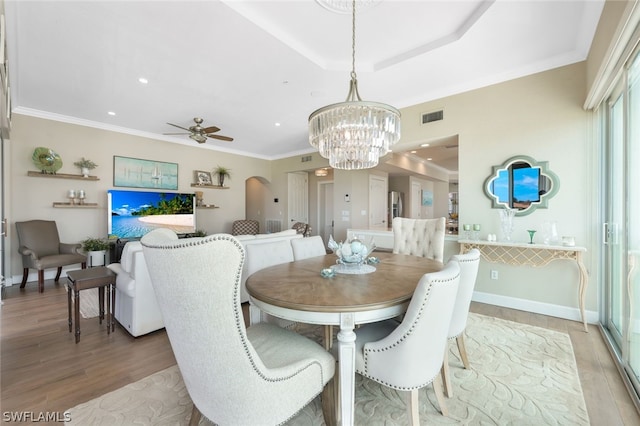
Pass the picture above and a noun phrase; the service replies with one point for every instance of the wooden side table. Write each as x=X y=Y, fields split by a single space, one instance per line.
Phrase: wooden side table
x=101 y=277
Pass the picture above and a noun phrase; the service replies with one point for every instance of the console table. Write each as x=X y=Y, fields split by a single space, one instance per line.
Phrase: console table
x=524 y=254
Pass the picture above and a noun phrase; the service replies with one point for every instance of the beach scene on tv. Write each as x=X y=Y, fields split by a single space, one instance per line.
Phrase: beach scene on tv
x=135 y=213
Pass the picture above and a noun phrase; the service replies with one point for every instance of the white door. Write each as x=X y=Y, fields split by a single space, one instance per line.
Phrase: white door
x=416 y=200
x=325 y=210
x=378 y=201
x=298 y=198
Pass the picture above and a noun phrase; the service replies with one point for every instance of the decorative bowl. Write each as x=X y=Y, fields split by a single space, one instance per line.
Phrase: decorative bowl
x=354 y=252
x=46 y=160
x=328 y=273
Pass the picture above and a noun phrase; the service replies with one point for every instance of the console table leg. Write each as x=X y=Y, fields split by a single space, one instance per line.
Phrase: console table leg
x=583 y=289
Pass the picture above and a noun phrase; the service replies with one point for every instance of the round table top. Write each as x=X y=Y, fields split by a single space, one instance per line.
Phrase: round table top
x=298 y=285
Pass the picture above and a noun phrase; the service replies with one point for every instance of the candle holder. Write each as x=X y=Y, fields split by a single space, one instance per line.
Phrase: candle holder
x=467 y=231
x=81 y=196
x=531 y=234
x=71 y=195
x=476 y=231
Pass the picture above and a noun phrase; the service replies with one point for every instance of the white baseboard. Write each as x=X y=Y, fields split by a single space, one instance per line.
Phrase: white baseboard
x=49 y=274
x=559 y=311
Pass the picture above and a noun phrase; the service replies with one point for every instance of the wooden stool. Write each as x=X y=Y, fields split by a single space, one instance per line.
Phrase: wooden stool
x=83 y=279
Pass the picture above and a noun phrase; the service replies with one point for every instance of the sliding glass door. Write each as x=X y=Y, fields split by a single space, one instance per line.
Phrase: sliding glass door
x=633 y=208
x=621 y=230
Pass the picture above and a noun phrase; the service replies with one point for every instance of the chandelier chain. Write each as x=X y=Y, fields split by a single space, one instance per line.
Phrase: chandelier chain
x=353 y=134
x=353 y=41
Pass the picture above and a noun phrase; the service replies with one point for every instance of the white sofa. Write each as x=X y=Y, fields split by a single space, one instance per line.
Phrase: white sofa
x=136 y=307
x=246 y=240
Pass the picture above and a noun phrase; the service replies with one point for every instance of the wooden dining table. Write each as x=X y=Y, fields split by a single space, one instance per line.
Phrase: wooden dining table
x=297 y=291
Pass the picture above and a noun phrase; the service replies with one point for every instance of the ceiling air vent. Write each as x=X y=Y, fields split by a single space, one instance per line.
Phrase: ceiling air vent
x=430 y=117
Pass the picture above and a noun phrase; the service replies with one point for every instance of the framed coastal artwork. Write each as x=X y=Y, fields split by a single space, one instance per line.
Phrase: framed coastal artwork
x=427 y=198
x=139 y=173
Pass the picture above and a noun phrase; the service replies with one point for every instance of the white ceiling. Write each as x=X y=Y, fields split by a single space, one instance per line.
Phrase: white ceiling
x=245 y=65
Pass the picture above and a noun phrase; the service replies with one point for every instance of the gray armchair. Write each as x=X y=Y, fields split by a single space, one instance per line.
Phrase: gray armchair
x=41 y=249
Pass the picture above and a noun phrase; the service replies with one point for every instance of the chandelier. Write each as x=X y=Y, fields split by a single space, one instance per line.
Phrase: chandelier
x=354 y=134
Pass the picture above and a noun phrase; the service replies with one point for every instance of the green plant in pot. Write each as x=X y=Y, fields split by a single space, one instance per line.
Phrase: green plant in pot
x=222 y=172
x=200 y=233
x=95 y=249
x=85 y=165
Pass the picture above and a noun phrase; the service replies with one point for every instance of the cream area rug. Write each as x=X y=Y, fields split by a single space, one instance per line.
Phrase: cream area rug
x=521 y=375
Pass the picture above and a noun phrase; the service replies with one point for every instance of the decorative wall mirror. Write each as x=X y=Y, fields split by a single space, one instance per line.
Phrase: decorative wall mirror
x=521 y=183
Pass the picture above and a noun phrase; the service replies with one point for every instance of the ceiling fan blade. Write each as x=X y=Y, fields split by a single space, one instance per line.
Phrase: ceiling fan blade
x=179 y=127
x=222 y=138
x=211 y=129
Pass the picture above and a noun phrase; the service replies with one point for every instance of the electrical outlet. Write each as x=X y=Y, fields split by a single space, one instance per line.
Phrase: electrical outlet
x=494 y=274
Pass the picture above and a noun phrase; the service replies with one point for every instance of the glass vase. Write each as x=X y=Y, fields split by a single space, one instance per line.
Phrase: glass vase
x=506 y=223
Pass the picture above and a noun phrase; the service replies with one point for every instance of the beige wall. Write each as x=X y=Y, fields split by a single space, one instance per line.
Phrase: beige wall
x=540 y=116
x=32 y=197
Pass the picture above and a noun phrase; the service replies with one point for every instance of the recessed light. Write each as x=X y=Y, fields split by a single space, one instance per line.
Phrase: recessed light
x=143 y=80
x=424 y=145
x=111 y=113
x=429 y=158
x=413 y=152
x=277 y=124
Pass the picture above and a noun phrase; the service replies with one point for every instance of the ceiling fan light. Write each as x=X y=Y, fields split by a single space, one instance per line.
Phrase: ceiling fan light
x=198 y=137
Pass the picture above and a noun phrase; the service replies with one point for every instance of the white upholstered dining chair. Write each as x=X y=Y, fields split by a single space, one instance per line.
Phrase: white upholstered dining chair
x=263 y=255
x=262 y=374
x=469 y=263
x=419 y=237
x=408 y=356
x=304 y=248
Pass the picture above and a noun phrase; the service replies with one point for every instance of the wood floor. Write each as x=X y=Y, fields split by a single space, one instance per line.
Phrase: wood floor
x=44 y=371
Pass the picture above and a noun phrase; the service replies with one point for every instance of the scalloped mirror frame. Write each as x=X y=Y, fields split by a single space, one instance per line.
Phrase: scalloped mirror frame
x=544 y=171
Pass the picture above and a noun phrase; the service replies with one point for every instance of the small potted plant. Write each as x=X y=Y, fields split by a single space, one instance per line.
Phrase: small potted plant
x=222 y=172
x=96 y=249
x=85 y=165
x=199 y=233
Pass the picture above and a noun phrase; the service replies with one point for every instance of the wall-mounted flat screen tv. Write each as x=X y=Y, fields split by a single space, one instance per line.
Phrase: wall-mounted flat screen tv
x=132 y=214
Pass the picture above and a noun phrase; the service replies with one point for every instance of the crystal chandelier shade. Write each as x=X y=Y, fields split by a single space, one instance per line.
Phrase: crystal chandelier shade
x=354 y=134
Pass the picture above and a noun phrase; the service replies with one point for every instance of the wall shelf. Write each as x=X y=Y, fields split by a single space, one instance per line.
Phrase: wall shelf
x=207 y=207
x=196 y=185
x=61 y=176
x=75 y=206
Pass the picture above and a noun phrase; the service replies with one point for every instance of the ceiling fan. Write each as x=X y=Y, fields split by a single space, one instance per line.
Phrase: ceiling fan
x=199 y=133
